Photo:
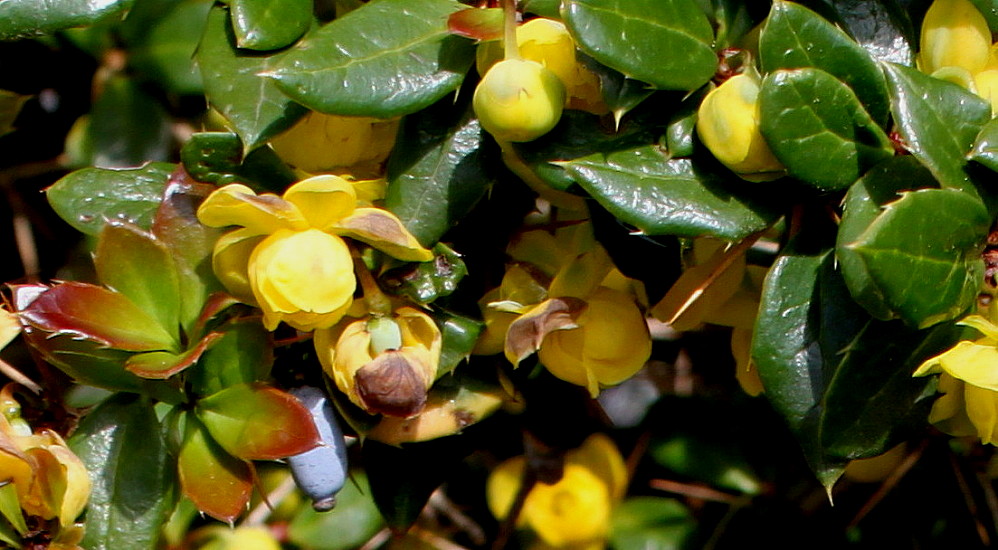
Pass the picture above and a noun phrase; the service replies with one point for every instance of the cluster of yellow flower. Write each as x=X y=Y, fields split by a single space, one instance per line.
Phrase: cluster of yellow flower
x=956 y=46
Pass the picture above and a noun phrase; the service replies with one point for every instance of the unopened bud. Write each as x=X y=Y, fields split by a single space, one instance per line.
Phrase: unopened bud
x=519 y=100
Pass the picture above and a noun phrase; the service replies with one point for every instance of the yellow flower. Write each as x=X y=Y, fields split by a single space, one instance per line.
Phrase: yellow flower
x=576 y=510
x=51 y=481
x=518 y=100
x=383 y=364
x=289 y=258
x=969 y=382
x=728 y=124
x=954 y=34
x=331 y=143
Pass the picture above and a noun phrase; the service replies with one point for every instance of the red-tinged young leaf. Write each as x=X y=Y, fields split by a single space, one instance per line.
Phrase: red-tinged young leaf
x=136 y=264
x=85 y=361
x=95 y=313
x=477 y=24
x=215 y=481
x=160 y=365
x=257 y=422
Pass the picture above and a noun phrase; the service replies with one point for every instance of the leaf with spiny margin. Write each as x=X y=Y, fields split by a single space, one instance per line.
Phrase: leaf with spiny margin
x=818 y=129
x=270 y=24
x=666 y=43
x=384 y=59
x=28 y=18
x=794 y=37
x=985 y=150
x=938 y=122
x=252 y=104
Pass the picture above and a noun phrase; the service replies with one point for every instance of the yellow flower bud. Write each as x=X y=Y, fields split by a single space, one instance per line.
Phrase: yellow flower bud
x=384 y=365
x=728 y=124
x=610 y=345
x=954 y=34
x=304 y=278
x=325 y=143
x=987 y=87
x=519 y=100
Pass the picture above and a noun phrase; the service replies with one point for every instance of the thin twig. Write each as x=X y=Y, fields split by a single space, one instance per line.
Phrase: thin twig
x=9 y=371
x=989 y=497
x=440 y=501
x=434 y=540
x=262 y=511
x=968 y=499
x=378 y=539
x=694 y=491
x=889 y=483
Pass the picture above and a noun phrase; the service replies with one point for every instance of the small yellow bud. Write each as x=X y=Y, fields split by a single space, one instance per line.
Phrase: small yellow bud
x=954 y=34
x=728 y=124
x=519 y=100
x=324 y=143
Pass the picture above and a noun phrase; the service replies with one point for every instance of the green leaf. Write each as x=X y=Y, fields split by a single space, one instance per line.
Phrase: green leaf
x=543 y=8
x=675 y=50
x=121 y=445
x=270 y=24
x=10 y=107
x=27 y=18
x=929 y=238
x=985 y=150
x=477 y=23
x=705 y=457
x=252 y=104
x=10 y=509
x=165 y=50
x=218 y=483
x=680 y=133
x=938 y=122
x=989 y=8
x=159 y=365
x=620 y=93
x=732 y=21
x=438 y=171
x=355 y=520
x=258 y=422
x=817 y=128
x=651 y=523
x=863 y=203
x=460 y=334
x=384 y=59
x=243 y=355
x=424 y=282
x=127 y=127
x=795 y=37
x=882 y=27
x=87 y=198
x=85 y=361
x=663 y=196
x=217 y=157
x=140 y=267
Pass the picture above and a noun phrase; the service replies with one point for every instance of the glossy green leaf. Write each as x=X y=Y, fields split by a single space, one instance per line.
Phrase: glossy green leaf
x=938 y=122
x=10 y=107
x=86 y=198
x=28 y=18
x=817 y=128
x=680 y=135
x=424 y=282
x=127 y=127
x=133 y=479
x=663 y=196
x=243 y=355
x=581 y=134
x=269 y=24
x=141 y=268
x=384 y=59
x=459 y=334
x=543 y=8
x=355 y=520
x=258 y=422
x=10 y=509
x=438 y=171
x=218 y=483
x=651 y=523
x=252 y=104
x=985 y=150
x=98 y=314
x=159 y=365
x=795 y=37
x=863 y=203
x=85 y=361
x=882 y=27
x=929 y=238
x=165 y=51
x=732 y=21
x=675 y=51
x=217 y=157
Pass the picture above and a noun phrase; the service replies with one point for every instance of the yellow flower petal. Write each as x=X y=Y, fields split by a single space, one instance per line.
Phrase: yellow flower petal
x=236 y=204
x=323 y=200
x=982 y=325
x=503 y=485
x=384 y=231
x=576 y=509
x=982 y=409
x=954 y=34
x=230 y=262
x=971 y=362
x=600 y=454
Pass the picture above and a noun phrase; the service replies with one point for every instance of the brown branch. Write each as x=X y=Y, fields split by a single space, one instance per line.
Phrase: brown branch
x=889 y=483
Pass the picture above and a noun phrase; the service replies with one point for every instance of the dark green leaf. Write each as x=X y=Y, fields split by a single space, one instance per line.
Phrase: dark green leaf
x=679 y=135
x=270 y=24
x=252 y=104
x=817 y=128
x=863 y=203
x=27 y=18
x=985 y=149
x=675 y=50
x=663 y=196
x=384 y=59
x=424 y=282
x=543 y=8
x=620 y=93
x=140 y=267
x=651 y=523
x=165 y=51
x=133 y=484
x=437 y=172
x=938 y=122
x=243 y=355
x=126 y=127
x=929 y=238
x=882 y=27
x=460 y=334
x=10 y=107
x=86 y=198
x=705 y=457
x=732 y=21
x=795 y=37
x=217 y=157
x=355 y=520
